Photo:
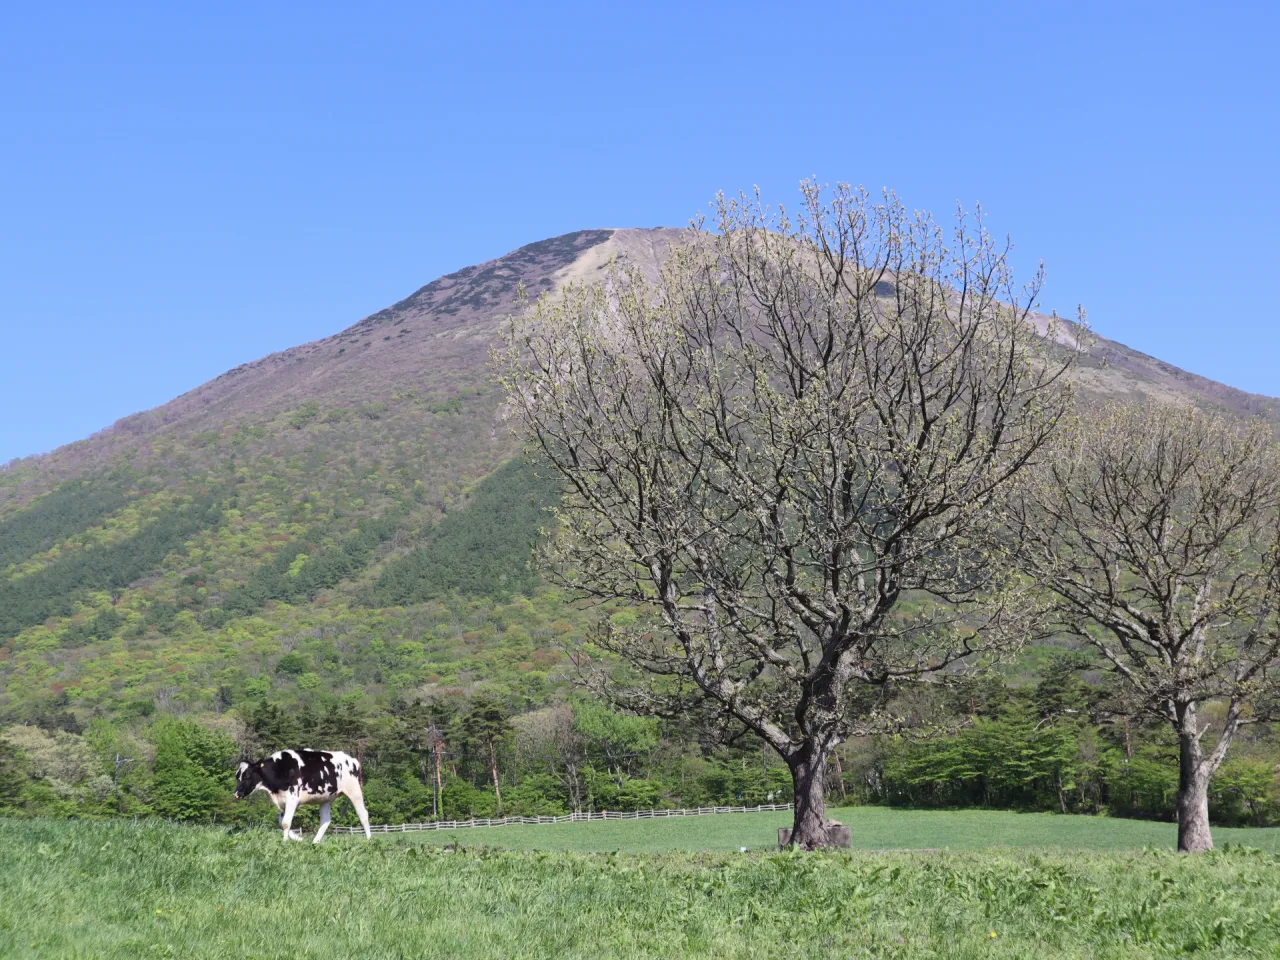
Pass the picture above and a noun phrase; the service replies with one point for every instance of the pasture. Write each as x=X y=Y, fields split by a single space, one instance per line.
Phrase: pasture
x=873 y=828
x=119 y=890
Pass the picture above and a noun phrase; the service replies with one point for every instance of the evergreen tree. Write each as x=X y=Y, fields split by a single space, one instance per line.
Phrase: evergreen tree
x=1060 y=690
x=13 y=776
x=271 y=728
x=191 y=771
x=486 y=723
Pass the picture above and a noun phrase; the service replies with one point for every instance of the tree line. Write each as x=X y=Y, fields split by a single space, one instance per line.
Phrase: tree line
x=1062 y=743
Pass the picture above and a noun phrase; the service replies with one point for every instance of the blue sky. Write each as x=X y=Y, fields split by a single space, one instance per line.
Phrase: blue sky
x=184 y=188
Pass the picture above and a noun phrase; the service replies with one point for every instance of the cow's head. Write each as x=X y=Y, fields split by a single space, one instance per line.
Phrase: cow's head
x=248 y=779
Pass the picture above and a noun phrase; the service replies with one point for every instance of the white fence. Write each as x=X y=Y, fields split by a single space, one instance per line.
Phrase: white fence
x=567 y=818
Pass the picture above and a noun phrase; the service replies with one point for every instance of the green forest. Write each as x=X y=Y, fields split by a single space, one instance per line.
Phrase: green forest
x=456 y=640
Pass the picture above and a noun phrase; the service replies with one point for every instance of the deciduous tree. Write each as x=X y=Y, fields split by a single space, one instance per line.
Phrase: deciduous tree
x=792 y=449
x=1156 y=529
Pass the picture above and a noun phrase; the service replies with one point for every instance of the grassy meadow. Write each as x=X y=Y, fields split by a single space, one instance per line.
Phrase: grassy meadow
x=873 y=828
x=120 y=890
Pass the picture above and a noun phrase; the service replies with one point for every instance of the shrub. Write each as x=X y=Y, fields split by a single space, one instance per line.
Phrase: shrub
x=1243 y=793
x=539 y=795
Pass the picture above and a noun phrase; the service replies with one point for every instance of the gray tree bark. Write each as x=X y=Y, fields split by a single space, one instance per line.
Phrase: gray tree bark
x=1194 y=772
x=810 y=827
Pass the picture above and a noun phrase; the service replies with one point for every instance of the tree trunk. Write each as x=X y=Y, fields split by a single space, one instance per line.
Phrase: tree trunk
x=810 y=828
x=493 y=765
x=438 y=799
x=1193 y=798
x=575 y=789
x=844 y=798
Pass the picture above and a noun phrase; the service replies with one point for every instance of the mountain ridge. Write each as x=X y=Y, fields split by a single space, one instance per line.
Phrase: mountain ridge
x=459 y=313
x=465 y=305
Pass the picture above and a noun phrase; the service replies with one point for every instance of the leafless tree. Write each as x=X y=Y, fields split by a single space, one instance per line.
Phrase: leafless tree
x=547 y=739
x=1156 y=529
x=790 y=453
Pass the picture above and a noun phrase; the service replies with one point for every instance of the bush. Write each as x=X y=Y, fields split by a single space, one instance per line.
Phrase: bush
x=620 y=792
x=1145 y=786
x=540 y=795
x=402 y=799
x=730 y=784
x=461 y=800
x=1013 y=761
x=13 y=776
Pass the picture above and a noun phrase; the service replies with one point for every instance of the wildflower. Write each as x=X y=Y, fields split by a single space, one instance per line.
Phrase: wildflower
x=993 y=935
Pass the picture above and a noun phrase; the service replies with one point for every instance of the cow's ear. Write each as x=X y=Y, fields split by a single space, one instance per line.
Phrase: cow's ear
x=242 y=768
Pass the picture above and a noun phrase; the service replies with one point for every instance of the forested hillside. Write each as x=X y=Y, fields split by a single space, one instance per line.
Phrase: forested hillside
x=332 y=545
x=330 y=500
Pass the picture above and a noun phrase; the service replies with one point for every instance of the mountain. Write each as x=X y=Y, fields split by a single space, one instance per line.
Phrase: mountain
x=341 y=518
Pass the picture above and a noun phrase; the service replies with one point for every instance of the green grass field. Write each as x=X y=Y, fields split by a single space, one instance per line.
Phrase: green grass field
x=119 y=890
x=873 y=828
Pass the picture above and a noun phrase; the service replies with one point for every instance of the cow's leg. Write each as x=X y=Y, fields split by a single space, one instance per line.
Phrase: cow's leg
x=286 y=818
x=281 y=805
x=324 y=820
x=352 y=789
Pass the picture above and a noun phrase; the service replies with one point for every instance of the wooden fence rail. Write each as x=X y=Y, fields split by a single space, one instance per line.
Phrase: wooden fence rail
x=567 y=818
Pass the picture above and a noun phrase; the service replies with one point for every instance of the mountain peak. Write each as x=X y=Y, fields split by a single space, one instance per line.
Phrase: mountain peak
x=489 y=286
x=435 y=343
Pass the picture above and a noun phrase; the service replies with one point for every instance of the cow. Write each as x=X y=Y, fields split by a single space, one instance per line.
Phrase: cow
x=294 y=777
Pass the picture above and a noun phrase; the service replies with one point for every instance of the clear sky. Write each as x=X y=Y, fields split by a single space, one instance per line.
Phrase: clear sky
x=185 y=187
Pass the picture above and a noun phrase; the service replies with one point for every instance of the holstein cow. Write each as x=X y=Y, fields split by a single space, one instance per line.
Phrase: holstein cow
x=294 y=777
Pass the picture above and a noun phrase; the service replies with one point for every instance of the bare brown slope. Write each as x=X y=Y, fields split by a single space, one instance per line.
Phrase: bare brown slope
x=436 y=341
x=446 y=324
x=1125 y=371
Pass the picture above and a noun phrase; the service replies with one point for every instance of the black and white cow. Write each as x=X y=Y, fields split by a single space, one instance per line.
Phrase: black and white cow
x=294 y=777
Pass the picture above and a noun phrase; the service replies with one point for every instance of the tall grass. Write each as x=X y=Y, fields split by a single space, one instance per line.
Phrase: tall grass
x=153 y=890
